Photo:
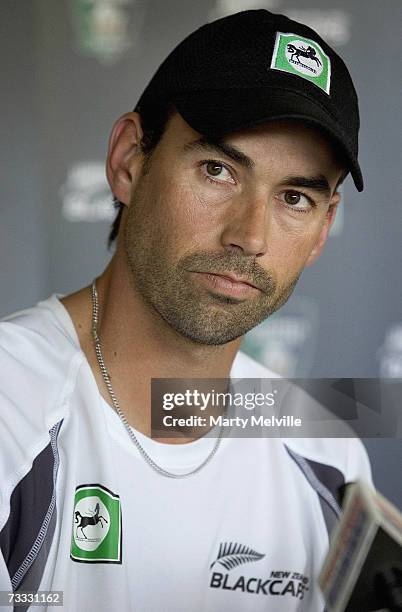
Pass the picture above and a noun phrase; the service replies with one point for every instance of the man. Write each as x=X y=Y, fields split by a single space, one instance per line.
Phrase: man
x=226 y=176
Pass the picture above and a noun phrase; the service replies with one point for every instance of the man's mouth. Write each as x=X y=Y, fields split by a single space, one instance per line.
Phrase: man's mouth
x=227 y=283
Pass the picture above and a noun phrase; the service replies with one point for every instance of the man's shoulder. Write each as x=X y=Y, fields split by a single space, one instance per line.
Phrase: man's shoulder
x=345 y=456
x=36 y=341
x=42 y=331
x=38 y=359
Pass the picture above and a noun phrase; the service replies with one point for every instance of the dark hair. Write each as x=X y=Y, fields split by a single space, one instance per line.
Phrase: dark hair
x=153 y=123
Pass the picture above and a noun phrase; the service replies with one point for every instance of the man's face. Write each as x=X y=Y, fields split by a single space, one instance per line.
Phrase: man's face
x=254 y=206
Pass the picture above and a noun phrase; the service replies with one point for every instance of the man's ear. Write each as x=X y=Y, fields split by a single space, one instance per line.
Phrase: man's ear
x=124 y=158
x=329 y=219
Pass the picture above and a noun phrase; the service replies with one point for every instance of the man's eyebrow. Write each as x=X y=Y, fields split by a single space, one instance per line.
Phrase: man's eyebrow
x=219 y=146
x=316 y=183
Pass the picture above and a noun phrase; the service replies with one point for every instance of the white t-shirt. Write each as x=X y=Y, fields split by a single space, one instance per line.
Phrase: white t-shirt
x=83 y=513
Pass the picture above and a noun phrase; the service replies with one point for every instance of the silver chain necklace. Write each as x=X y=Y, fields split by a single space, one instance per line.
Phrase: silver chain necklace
x=106 y=378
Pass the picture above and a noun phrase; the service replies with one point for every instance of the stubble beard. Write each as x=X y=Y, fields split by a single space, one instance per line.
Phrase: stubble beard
x=168 y=289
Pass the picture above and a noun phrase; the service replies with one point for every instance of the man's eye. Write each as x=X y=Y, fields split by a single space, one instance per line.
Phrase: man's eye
x=216 y=170
x=298 y=200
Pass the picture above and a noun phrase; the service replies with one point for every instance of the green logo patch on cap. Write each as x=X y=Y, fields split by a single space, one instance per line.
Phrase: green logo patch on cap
x=302 y=57
x=96 y=534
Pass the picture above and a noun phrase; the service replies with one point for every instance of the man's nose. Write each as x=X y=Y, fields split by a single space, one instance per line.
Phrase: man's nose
x=246 y=226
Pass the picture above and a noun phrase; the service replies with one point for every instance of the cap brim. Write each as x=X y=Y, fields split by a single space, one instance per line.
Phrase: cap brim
x=216 y=113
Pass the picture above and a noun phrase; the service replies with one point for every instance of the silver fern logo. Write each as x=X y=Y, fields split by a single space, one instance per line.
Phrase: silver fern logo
x=283 y=583
x=231 y=555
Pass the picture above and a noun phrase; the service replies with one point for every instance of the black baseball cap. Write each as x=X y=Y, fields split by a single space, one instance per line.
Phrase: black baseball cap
x=253 y=67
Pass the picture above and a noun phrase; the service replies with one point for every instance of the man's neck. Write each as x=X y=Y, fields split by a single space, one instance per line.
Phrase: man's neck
x=138 y=345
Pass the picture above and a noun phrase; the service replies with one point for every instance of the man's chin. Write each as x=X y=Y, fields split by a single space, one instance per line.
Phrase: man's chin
x=210 y=322
x=210 y=335
x=212 y=339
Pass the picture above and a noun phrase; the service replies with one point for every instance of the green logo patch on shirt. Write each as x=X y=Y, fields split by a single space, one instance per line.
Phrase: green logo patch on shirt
x=302 y=57
x=96 y=534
